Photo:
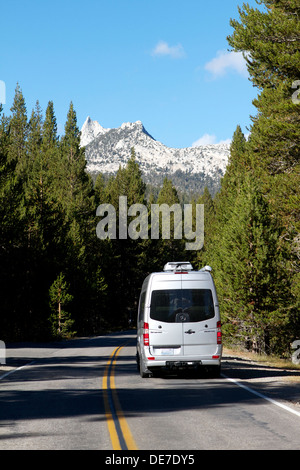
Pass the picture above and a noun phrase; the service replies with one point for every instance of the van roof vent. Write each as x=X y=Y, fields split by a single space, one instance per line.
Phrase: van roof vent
x=206 y=268
x=178 y=266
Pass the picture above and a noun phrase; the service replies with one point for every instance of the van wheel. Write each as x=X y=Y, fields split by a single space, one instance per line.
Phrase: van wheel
x=144 y=372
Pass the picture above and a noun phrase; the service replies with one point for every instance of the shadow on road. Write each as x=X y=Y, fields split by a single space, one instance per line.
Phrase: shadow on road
x=71 y=385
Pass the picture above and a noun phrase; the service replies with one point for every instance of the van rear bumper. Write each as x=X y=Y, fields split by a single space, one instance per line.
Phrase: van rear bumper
x=182 y=363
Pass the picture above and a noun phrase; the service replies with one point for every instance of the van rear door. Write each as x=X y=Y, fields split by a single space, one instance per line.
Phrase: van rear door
x=182 y=317
x=165 y=333
x=200 y=327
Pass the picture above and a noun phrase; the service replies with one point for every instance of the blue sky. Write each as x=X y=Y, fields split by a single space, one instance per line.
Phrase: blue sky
x=165 y=63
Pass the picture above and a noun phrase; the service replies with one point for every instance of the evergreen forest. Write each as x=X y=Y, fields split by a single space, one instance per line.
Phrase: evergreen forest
x=59 y=280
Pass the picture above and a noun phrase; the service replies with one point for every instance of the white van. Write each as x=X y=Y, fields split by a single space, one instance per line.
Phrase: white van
x=178 y=323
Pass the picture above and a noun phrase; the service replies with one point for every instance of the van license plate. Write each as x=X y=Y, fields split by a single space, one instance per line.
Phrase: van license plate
x=167 y=351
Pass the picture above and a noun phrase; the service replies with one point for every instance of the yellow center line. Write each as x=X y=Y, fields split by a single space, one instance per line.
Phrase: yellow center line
x=118 y=428
x=109 y=418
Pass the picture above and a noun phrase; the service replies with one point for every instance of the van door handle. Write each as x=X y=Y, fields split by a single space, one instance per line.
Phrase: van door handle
x=189 y=332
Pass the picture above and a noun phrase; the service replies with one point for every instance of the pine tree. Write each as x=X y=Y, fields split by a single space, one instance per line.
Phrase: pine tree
x=11 y=230
x=168 y=193
x=50 y=185
x=236 y=170
x=100 y=190
x=74 y=191
x=33 y=184
x=8 y=188
x=247 y=274
x=199 y=258
x=137 y=187
x=224 y=201
x=77 y=187
x=271 y=40
x=172 y=248
x=74 y=185
x=14 y=221
x=61 y=320
x=50 y=139
x=18 y=132
x=47 y=225
x=127 y=182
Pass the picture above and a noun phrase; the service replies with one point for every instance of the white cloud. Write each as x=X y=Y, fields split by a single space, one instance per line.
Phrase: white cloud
x=209 y=139
x=225 y=61
x=206 y=139
x=162 y=48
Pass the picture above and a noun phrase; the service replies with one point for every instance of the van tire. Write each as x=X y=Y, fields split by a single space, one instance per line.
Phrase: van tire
x=144 y=372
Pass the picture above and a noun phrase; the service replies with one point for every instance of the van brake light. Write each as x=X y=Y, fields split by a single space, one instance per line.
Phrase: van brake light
x=146 y=334
x=219 y=333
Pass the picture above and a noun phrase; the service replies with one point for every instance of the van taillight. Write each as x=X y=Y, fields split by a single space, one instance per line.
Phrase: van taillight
x=146 y=334
x=219 y=333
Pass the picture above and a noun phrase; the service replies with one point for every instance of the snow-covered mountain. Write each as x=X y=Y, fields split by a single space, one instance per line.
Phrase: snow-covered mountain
x=189 y=168
x=90 y=130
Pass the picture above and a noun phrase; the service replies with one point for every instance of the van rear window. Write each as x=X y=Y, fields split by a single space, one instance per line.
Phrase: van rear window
x=181 y=305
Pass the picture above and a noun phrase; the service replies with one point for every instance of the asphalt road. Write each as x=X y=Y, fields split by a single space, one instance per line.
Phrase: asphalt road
x=86 y=394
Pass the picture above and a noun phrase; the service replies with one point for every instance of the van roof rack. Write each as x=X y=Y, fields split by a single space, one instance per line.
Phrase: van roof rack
x=178 y=266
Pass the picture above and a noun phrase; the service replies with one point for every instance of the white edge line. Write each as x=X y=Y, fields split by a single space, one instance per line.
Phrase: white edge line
x=15 y=370
x=274 y=402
